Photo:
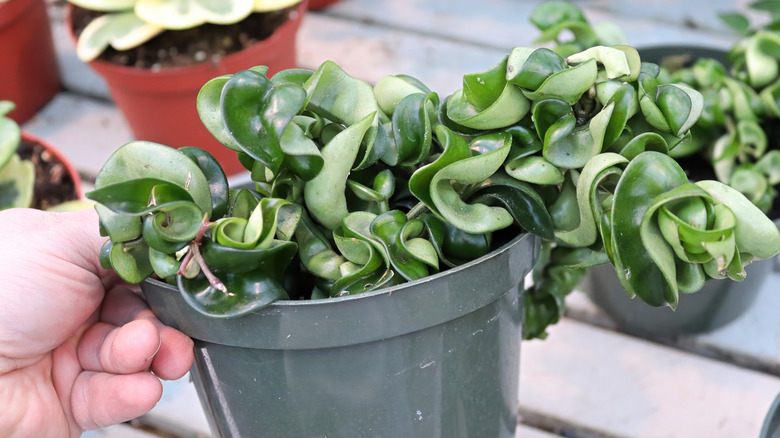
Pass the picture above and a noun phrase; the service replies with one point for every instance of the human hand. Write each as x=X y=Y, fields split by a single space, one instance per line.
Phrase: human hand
x=79 y=349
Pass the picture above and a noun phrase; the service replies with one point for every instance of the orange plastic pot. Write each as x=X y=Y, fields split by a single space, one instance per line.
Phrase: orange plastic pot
x=160 y=106
x=29 y=75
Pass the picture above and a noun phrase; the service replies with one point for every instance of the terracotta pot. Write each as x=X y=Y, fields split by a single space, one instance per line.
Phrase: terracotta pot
x=320 y=4
x=29 y=75
x=159 y=105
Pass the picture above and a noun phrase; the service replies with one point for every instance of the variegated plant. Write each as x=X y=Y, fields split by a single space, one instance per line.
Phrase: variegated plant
x=739 y=106
x=361 y=187
x=17 y=176
x=742 y=107
x=127 y=24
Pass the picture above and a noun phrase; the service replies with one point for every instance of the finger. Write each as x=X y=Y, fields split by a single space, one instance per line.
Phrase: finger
x=119 y=350
x=175 y=355
x=103 y=399
x=81 y=230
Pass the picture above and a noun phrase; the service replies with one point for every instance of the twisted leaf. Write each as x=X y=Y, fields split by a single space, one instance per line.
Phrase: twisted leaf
x=324 y=194
x=247 y=291
x=412 y=126
x=256 y=113
x=648 y=175
x=474 y=218
x=519 y=199
x=455 y=149
x=487 y=100
x=367 y=267
x=410 y=258
x=593 y=174
x=352 y=105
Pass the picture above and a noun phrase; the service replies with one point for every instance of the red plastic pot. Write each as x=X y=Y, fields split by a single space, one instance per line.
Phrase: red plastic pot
x=160 y=106
x=29 y=75
x=320 y=4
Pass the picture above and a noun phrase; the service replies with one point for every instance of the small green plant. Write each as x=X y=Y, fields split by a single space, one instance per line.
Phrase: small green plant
x=17 y=176
x=127 y=24
x=360 y=187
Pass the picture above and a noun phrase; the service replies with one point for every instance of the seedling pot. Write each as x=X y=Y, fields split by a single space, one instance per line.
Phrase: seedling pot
x=29 y=76
x=160 y=105
x=437 y=357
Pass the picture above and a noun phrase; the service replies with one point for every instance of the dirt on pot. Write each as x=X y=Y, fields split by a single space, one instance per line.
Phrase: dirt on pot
x=53 y=184
x=182 y=48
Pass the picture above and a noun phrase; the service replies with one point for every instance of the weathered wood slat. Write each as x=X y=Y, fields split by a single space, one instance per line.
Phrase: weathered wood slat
x=86 y=130
x=528 y=432
x=595 y=382
x=752 y=340
x=505 y=24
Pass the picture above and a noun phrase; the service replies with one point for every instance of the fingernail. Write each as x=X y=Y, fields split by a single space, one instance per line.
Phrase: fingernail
x=149 y=359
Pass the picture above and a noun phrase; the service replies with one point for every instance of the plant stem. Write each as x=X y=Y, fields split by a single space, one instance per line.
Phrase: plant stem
x=194 y=253
x=417 y=211
x=216 y=282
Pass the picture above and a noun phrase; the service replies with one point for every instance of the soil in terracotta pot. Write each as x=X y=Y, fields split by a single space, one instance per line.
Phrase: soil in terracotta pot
x=181 y=48
x=53 y=183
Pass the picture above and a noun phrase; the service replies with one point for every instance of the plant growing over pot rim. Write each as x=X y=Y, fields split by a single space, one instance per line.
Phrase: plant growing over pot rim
x=728 y=138
x=365 y=187
x=736 y=134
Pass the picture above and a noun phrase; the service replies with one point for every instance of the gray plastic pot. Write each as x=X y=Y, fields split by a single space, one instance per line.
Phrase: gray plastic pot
x=437 y=357
x=771 y=426
x=714 y=306
x=717 y=304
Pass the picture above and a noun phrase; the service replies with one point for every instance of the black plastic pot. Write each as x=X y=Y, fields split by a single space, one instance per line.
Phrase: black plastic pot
x=437 y=357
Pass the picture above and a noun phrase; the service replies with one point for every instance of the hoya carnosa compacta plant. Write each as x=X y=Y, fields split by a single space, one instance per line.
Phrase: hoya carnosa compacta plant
x=127 y=24
x=737 y=131
x=360 y=187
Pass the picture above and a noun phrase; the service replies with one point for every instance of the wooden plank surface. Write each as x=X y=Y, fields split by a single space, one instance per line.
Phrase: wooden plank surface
x=87 y=131
x=524 y=431
x=593 y=382
x=505 y=24
x=752 y=340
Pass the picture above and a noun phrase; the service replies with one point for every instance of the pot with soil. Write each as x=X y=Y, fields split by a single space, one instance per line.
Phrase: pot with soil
x=154 y=75
x=33 y=173
x=29 y=74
